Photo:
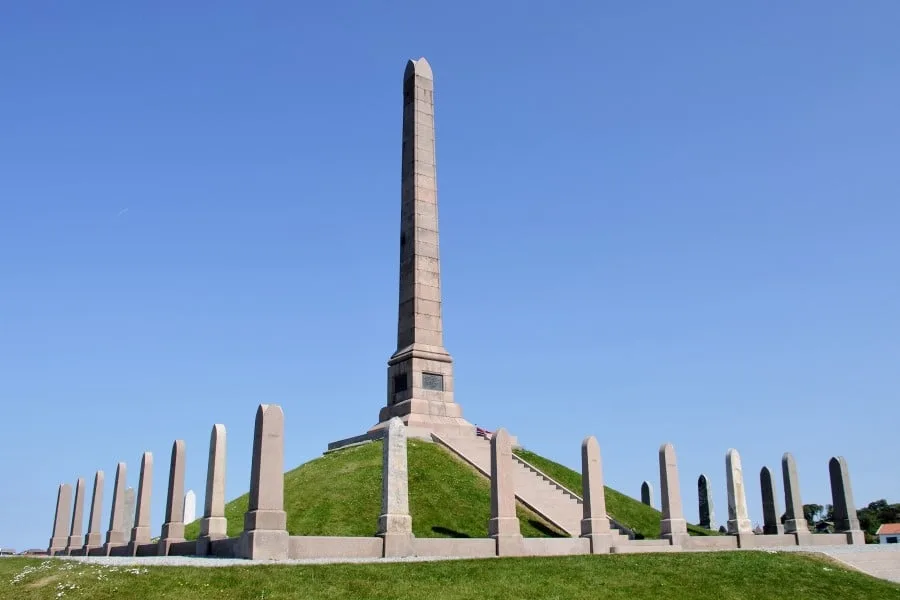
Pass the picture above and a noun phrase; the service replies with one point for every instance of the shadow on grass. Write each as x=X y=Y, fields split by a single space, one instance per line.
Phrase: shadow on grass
x=544 y=529
x=449 y=532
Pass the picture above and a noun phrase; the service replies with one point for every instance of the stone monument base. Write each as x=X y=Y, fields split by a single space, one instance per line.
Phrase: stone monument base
x=264 y=544
x=600 y=542
x=855 y=536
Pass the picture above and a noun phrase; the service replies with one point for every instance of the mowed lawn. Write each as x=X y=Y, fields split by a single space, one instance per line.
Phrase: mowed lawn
x=712 y=576
x=339 y=494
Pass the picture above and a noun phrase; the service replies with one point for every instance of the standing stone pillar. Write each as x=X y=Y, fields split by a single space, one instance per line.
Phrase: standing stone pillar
x=129 y=507
x=140 y=533
x=173 y=527
x=705 y=503
x=265 y=533
x=76 y=533
x=115 y=536
x=673 y=527
x=190 y=507
x=647 y=493
x=795 y=521
x=504 y=524
x=395 y=523
x=845 y=517
x=738 y=519
x=61 y=520
x=93 y=538
x=771 y=511
x=594 y=522
x=420 y=372
x=213 y=525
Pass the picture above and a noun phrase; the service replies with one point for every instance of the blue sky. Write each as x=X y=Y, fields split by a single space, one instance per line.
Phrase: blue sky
x=659 y=223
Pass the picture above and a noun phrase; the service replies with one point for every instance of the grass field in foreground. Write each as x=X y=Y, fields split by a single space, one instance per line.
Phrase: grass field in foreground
x=686 y=576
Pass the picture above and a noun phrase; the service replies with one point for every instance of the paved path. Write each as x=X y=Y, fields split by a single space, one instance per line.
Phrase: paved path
x=878 y=560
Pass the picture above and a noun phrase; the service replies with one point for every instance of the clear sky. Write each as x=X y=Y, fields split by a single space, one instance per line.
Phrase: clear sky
x=659 y=223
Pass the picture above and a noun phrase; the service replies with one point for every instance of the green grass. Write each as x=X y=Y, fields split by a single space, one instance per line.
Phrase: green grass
x=635 y=515
x=339 y=494
x=683 y=576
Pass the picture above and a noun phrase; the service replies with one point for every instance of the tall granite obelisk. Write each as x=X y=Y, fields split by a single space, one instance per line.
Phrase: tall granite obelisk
x=420 y=372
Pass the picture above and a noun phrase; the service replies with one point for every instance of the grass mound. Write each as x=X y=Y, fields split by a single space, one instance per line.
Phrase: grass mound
x=685 y=576
x=636 y=515
x=339 y=494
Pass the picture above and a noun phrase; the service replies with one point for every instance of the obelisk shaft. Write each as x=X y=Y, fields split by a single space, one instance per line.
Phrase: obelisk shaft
x=419 y=315
x=420 y=372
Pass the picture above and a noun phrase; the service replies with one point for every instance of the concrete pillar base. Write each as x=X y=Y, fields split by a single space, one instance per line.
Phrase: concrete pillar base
x=510 y=545
x=264 y=544
x=397 y=544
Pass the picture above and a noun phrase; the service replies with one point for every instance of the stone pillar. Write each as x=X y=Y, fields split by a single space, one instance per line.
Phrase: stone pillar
x=504 y=524
x=771 y=511
x=115 y=536
x=647 y=493
x=795 y=521
x=130 y=507
x=140 y=533
x=705 y=503
x=673 y=527
x=61 y=520
x=420 y=372
x=845 y=517
x=76 y=533
x=594 y=522
x=738 y=519
x=94 y=538
x=190 y=507
x=173 y=527
x=213 y=525
x=395 y=523
x=265 y=533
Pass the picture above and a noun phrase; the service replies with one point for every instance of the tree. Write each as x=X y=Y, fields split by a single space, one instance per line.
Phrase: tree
x=876 y=514
x=811 y=511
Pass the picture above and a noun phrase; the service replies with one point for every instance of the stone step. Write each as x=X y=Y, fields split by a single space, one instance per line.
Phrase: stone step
x=548 y=498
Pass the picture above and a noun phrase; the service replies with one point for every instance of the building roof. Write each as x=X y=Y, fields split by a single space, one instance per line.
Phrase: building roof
x=889 y=529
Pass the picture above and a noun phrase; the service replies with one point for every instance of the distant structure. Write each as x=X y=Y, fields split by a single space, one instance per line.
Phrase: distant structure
x=130 y=507
x=190 y=507
x=647 y=493
x=888 y=533
x=705 y=501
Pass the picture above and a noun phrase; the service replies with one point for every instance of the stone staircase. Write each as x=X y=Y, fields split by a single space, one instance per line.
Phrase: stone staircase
x=536 y=490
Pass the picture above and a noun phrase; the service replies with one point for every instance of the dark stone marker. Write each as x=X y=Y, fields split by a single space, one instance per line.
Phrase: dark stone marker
x=706 y=502
x=771 y=521
x=647 y=493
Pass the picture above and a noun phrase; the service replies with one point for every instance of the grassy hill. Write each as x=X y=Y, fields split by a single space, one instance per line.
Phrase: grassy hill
x=629 y=512
x=685 y=576
x=340 y=494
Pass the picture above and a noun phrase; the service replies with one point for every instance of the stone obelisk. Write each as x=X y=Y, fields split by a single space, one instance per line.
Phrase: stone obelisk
x=420 y=372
